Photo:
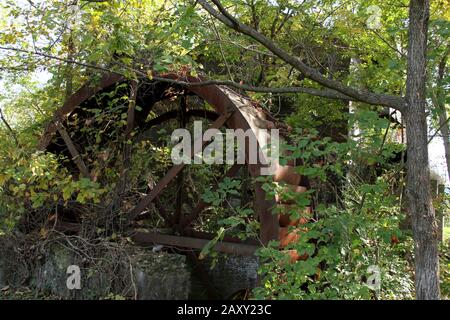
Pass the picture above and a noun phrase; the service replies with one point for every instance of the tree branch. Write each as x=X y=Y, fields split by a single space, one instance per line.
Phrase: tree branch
x=362 y=95
x=444 y=123
x=312 y=91
x=13 y=134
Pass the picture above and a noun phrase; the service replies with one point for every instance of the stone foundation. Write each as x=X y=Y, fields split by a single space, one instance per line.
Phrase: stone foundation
x=230 y=275
x=135 y=273
x=143 y=274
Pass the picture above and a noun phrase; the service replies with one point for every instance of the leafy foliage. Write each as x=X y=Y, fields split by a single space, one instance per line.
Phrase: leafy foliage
x=67 y=42
x=361 y=230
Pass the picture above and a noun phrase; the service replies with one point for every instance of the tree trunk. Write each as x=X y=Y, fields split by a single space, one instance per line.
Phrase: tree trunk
x=443 y=123
x=418 y=183
x=440 y=104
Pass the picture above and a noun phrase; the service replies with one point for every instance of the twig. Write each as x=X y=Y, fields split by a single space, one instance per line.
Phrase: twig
x=221 y=50
x=13 y=134
x=438 y=129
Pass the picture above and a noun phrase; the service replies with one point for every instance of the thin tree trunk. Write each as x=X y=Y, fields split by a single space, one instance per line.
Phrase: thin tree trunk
x=418 y=183
x=440 y=104
x=443 y=123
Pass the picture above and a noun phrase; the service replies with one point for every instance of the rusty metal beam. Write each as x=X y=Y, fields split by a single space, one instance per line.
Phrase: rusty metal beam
x=146 y=238
x=83 y=94
x=173 y=172
x=76 y=157
x=209 y=236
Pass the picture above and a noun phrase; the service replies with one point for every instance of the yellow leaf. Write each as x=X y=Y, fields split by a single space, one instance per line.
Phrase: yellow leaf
x=44 y=233
x=3 y=178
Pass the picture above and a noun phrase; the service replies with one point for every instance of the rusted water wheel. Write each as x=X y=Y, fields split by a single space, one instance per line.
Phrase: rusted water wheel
x=231 y=110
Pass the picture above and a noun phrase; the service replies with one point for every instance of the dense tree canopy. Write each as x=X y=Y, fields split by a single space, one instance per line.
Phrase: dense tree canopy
x=362 y=86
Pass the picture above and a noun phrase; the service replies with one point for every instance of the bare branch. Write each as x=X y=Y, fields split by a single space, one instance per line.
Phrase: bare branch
x=442 y=124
